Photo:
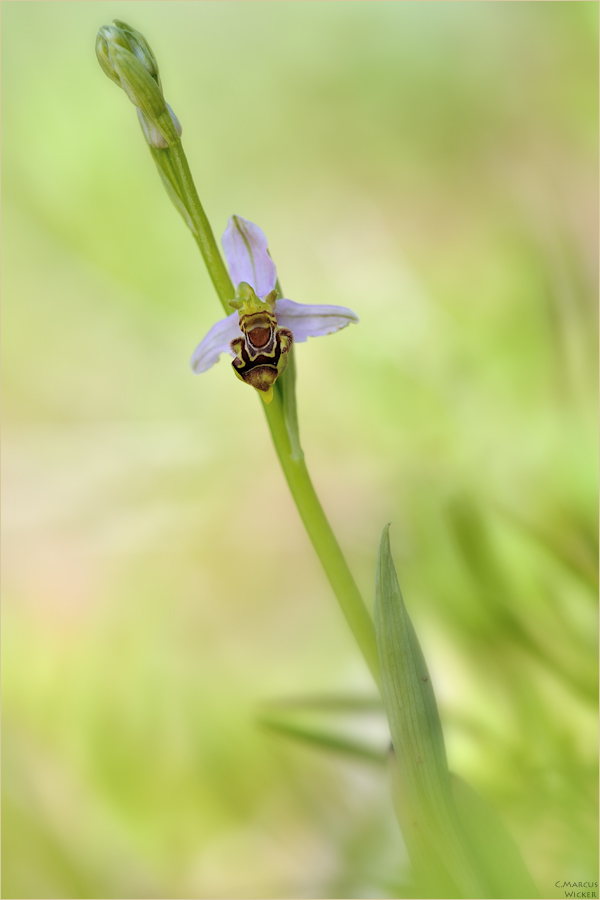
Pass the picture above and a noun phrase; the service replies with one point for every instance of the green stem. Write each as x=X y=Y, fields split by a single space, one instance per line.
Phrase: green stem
x=202 y=231
x=322 y=538
x=288 y=450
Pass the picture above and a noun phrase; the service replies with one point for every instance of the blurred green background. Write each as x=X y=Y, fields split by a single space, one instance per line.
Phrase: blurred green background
x=434 y=167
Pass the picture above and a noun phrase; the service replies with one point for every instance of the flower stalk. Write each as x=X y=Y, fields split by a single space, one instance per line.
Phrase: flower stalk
x=125 y=57
x=320 y=533
x=200 y=227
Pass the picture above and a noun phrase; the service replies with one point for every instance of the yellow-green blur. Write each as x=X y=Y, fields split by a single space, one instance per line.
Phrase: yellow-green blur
x=432 y=166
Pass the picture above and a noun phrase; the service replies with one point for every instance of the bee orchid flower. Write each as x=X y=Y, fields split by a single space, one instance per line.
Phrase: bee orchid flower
x=261 y=331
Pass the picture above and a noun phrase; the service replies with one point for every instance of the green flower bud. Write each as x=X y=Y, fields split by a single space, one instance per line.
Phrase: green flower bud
x=128 y=38
x=139 y=47
x=125 y=56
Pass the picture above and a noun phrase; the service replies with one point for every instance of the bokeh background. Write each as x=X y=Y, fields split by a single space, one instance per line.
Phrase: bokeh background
x=434 y=167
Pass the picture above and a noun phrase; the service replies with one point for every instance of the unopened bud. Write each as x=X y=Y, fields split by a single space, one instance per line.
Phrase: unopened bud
x=125 y=56
x=140 y=48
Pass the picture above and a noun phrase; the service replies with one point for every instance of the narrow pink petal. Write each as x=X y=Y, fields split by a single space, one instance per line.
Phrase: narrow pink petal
x=312 y=320
x=245 y=247
x=217 y=341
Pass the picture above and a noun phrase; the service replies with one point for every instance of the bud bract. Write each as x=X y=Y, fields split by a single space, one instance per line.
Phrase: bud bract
x=152 y=134
x=104 y=56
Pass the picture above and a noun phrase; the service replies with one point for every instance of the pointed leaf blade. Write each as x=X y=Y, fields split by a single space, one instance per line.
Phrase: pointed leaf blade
x=416 y=730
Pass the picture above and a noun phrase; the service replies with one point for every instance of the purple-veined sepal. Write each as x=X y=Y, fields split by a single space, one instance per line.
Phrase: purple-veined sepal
x=312 y=320
x=245 y=246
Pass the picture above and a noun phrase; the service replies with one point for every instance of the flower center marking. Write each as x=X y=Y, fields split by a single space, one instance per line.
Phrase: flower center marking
x=259 y=336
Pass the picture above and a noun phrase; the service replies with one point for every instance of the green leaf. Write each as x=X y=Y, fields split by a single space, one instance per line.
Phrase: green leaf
x=497 y=853
x=430 y=875
x=417 y=735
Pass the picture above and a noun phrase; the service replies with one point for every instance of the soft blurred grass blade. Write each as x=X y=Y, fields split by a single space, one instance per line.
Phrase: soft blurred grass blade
x=333 y=703
x=496 y=851
x=471 y=532
x=58 y=870
x=323 y=740
x=417 y=736
x=575 y=545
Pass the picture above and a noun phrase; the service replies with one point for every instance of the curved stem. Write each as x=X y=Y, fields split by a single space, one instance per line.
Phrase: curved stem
x=285 y=437
x=323 y=539
x=202 y=231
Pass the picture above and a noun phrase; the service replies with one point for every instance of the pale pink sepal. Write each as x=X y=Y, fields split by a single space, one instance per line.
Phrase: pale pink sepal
x=217 y=341
x=312 y=320
x=245 y=246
